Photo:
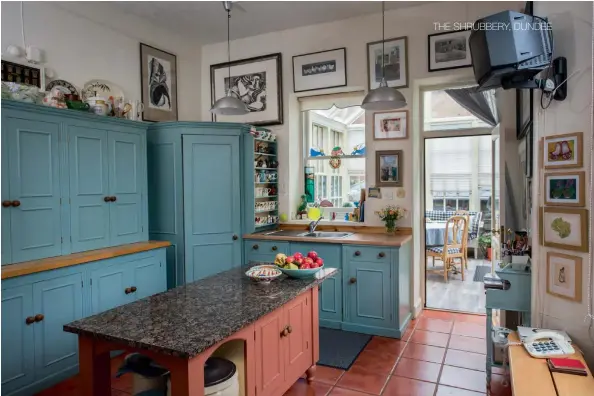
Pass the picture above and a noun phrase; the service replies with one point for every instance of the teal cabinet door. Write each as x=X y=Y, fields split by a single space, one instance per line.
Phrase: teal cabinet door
x=212 y=216
x=150 y=276
x=60 y=301
x=89 y=188
x=125 y=186
x=34 y=168
x=110 y=287
x=17 y=338
x=5 y=208
x=367 y=286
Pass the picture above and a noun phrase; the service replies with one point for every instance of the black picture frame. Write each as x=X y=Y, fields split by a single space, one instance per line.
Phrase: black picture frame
x=386 y=42
x=150 y=114
x=344 y=55
x=279 y=80
x=529 y=141
x=431 y=70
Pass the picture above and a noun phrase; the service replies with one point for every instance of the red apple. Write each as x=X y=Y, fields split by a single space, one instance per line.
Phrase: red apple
x=319 y=262
x=305 y=266
x=297 y=255
x=314 y=265
x=289 y=259
x=308 y=260
x=312 y=255
x=298 y=261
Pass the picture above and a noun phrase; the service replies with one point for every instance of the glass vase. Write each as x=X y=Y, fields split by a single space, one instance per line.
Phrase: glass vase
x=390 y=226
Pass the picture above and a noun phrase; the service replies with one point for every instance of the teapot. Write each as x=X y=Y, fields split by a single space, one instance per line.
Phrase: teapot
x=98 y=105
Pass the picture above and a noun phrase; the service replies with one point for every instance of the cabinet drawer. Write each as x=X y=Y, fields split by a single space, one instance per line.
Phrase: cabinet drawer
x=255 y=247
x=367 y=253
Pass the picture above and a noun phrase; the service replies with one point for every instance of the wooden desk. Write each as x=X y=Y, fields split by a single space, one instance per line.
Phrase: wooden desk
x=531 y=376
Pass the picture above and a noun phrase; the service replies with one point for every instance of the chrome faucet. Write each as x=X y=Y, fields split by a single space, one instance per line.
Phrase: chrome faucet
x=314 y=224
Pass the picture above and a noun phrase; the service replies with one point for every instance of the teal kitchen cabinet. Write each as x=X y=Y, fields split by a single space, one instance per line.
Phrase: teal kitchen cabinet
x=17 y=337
x=196 y=199
x=149 y=276
x=264 y=251
x=108 y=284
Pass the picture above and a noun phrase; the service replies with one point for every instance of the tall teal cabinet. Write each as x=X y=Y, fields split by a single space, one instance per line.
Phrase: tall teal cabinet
x=196 y=197
x=71 y=182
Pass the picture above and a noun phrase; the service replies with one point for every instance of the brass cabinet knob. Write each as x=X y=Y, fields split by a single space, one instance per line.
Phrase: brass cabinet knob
x=381 y=254
x=128 y=290
x=39 y=317
x=255 y=247
x=274 y=248
x=289 y=329
x=113 y=198
x=107 y=199
x=285 y=332
x=352 y=280
x=29 y=320
x=133 y=289
x=235 y=237
x=16 y=203
x=357 y=253
x=6 y=204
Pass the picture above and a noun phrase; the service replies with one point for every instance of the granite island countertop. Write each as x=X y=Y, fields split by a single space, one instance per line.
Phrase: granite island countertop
x=189 y=319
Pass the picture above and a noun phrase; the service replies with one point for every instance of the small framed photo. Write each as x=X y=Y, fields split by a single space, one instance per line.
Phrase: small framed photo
x=390 y=125
x=565 y=189
x=449 y=50
x=563 y=151
x=565 y=228
x=395 y=63
x=374 y=192
x=158 y=71
x=564 y=276
x=319 y=70
x=388 y=168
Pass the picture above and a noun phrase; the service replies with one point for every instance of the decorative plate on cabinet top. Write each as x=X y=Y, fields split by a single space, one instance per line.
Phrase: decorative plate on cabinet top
x=101 y=88
x=63 y=86
x=263 y=273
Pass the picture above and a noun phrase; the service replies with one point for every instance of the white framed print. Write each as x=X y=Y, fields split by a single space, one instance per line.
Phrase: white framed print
x=563 y=151
x=565 y=228
x=564 y=276
x=390 y=125
x=449 y=50
x=565 y=189
x=319 y=70
x=395 y=63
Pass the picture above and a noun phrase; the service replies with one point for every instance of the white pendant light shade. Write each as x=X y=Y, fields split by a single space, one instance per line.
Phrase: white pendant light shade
x=229 y=105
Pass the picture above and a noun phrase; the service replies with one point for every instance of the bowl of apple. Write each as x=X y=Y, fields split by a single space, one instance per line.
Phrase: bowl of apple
x=299 y=266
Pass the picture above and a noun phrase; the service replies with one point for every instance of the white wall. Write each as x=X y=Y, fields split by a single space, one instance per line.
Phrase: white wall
x=87 y=40
x=572 y=28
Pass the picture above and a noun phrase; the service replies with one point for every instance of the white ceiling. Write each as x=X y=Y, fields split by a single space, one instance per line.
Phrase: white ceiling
x=206 y=20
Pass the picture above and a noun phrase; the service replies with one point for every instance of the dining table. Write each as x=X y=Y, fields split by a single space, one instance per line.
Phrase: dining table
x=435 y=233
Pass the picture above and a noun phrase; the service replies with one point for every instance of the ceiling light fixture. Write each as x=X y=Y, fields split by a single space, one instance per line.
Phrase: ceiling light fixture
x=229 y=104
x=383 y=97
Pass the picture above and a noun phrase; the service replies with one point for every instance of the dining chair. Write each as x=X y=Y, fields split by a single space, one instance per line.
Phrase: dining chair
x=466 y=214
x=452 y=249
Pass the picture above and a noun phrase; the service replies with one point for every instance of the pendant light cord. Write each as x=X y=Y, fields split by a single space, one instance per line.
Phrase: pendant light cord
x=383 y=36
x=229 y=50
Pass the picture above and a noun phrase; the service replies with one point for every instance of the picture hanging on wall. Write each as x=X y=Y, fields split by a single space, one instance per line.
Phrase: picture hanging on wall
x=563 y=151
x=565 y=228
x=564 y=276
x=565 y=189
x=257 y=82
x=388 y=168
x=319 y=70
x=395 y=63
x=390 y=125
x=449 y=50
x=158 y=70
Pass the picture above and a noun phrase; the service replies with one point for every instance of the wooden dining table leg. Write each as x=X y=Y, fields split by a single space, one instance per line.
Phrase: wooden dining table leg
x=94 y=368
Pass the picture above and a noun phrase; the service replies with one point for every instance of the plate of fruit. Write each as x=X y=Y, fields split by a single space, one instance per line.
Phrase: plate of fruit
x=263 y=273
x=299 y=266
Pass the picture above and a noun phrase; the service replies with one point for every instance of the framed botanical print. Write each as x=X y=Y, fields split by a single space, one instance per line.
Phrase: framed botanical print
x=388 y=168
x=257 y=82
x=158 y=70
x=319 y=70
x=565 y=228
x=564 y=276
x=390 y=125
x=395 y=63
x=449 y=50
x=563 y=151
x=565 y=189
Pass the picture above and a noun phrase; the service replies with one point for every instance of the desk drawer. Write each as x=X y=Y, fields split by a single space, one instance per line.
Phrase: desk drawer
x=367 y=253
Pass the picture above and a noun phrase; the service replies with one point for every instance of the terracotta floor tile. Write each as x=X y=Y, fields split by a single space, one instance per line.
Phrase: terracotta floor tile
x=443 y=390
x=68 y=387
x=376 y=362
x=498 y=388
x=430 y=338
x=477 y=319
x=386 y=345
x=428 y=313
x=336 y=391
x=302 y=388
x=407 y=333
x=362 y=381
x=469 y=360
x=328 y=375
x=470 y=344
x=400 y=386
x=438 y=325
x=417 y=369
x=463 y=378
x=469 y=329
x=424 y=352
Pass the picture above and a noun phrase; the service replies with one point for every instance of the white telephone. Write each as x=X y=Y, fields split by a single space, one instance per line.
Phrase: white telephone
x=546 y=344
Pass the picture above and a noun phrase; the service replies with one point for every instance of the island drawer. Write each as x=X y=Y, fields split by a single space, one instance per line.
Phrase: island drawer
x=367 y=253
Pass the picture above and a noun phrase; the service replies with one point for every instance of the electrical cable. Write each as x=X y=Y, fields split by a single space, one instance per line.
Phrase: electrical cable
x=550 y=68
x=23 y=28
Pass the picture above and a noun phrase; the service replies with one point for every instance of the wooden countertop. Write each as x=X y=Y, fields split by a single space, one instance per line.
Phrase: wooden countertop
x=34 y=266
x=531 y=376
x=355 y=239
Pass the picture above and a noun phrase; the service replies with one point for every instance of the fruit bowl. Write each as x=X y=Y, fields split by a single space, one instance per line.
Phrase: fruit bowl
x=263 y=273
x=300 y=273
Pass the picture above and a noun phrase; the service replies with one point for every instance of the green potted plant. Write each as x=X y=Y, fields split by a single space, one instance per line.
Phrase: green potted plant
x=484 y=243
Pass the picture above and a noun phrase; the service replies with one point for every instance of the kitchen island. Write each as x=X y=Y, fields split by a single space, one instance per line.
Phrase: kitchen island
x=276 y=326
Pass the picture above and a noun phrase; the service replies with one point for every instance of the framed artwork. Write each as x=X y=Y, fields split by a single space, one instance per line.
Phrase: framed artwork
x=390 y=125
x=449 y=50
x=565 y=228
x=158 y=71
x=395 y=63
x=257 y=82
x=319 y=70
x=524 y=112
x=388 y=168
x=374 y=192
x=565 y=189
x=529 y=143
x=564 y=276
x=23 y=73
x=563 y=151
